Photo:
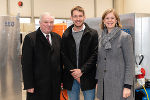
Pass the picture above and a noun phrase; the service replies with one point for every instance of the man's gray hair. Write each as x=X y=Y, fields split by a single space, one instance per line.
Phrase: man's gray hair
x=46 y=13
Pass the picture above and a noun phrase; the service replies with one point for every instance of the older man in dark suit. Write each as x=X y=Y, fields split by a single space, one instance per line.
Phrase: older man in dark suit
x=41 y=61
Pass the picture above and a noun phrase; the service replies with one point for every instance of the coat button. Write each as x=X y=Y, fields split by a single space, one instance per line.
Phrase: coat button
x=104 y=58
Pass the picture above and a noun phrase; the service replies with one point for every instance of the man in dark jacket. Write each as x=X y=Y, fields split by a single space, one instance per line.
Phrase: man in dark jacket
x=41 y=61
x=79 y=51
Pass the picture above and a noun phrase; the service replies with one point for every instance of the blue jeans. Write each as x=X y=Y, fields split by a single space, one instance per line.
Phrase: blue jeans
x=74 y=94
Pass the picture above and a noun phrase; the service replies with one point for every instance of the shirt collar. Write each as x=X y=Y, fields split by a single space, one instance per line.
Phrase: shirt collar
x=80 y=30
x=45 y=34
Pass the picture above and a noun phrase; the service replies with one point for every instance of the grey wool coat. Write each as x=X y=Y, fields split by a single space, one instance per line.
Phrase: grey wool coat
x=115 y=67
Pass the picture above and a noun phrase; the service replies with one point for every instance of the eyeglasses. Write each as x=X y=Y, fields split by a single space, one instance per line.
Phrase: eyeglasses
x=80 y=16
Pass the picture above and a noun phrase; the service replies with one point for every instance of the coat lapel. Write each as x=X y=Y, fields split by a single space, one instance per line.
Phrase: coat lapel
x=44 y=40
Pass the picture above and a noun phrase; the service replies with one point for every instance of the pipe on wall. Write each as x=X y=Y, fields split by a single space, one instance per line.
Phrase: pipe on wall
x=95 y=8
x=8 y=7
x=32 y=11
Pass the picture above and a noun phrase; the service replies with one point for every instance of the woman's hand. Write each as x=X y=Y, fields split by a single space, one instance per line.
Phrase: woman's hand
x=126 y=92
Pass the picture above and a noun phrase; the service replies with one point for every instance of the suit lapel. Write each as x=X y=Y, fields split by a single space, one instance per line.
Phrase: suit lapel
x=44 y=40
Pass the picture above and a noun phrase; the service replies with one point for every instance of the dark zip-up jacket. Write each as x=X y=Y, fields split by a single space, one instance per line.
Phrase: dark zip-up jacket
x=87 y=57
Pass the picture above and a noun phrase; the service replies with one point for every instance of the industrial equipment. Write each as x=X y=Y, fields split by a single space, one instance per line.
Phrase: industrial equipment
x=10 y=67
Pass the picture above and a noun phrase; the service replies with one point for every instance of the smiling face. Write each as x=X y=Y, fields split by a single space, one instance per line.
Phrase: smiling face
x=110 y=21
x=78 y=18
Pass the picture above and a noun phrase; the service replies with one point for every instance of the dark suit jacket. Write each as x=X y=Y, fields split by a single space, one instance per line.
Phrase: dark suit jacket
x=41 y=66
x=87 y=57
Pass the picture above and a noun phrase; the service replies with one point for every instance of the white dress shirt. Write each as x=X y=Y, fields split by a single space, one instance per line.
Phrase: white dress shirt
x=50 y=39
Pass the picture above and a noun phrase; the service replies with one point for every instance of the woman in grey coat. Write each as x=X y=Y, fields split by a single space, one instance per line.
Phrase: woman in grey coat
x=115 y=72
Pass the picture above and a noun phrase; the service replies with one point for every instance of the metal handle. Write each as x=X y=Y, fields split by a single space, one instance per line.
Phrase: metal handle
x=142 y=57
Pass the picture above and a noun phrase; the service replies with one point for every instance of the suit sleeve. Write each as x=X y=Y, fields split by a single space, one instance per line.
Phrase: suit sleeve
x=127 y=48
x=90 y=63
x=27 y=63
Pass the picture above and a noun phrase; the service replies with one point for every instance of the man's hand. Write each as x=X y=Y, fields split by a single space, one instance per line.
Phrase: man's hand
x=30 y=90
x=126 y=92
x=76 y=73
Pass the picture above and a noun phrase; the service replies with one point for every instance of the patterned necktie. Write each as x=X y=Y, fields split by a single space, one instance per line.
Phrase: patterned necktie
x=47 y=37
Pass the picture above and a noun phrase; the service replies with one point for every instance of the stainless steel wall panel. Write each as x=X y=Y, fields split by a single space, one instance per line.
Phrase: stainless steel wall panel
x=10 y=67
x=138 y=36
x=145 y=48
x=94 y=23
x=128 y=23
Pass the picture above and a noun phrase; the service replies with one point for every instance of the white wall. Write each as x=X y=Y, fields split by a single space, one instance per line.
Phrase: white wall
x=3 y=10
x=59 y=8
x=137 y=6
x=102 y=5
x=119 y=6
